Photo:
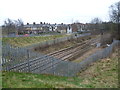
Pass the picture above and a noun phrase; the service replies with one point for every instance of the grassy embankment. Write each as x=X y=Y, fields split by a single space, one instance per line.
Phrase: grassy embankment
x=102 y=74
x=62 y=45
x=25 y=41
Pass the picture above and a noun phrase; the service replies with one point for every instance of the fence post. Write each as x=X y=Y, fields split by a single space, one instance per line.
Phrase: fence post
x=28 y=57
x=53 y=66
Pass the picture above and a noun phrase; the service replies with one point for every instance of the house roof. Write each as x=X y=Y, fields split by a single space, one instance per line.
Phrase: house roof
x=74 y=27
x=61 y=27
x=37 y=25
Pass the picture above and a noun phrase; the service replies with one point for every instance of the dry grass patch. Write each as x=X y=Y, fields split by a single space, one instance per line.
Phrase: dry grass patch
x=103 y=73
x=87 y=54
x=25 y=41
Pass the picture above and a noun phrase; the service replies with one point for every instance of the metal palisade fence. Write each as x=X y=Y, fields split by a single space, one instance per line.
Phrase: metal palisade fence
x=24 y=60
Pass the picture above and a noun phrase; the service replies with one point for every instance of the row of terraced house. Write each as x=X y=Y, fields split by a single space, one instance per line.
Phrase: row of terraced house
x=45 y=27
x=42 y=28
x=36 y=28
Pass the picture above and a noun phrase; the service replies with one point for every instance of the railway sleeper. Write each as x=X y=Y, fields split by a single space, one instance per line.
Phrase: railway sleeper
x=78 y=54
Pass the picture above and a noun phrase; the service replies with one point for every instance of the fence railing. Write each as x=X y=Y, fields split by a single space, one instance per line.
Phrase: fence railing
x=23 y=60
x=100 y=54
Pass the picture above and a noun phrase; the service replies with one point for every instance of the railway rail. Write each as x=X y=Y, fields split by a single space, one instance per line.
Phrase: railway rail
x=46 y=62
x=76 y=50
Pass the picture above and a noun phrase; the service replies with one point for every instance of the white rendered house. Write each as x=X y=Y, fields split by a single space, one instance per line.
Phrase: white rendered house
x=69 y=29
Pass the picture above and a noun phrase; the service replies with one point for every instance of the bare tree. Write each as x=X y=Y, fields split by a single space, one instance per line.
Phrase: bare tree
x=115 y=12
x=12 y=26
x=9 y=26
x=19 y=25
x=18 y=22
x=115 y=18
x=96 y=23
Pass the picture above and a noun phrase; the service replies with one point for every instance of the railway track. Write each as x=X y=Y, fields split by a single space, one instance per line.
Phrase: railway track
x=68 y=54
x=45 y=63
x=74 y=51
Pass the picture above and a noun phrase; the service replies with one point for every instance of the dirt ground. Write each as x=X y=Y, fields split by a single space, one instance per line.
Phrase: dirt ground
x=87 y=54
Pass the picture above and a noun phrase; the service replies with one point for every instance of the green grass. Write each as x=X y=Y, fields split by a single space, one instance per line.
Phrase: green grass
x=0 y=79
x=102 y=74
x=27 y=80
x=25 y=41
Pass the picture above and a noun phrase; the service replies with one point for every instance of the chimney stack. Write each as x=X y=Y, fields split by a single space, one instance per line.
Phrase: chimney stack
x=40 y=22
x=34 y=23
x=27 y=23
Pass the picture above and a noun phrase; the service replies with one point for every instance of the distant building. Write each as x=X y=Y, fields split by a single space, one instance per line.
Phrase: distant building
x=36 y=28
x=53 y=27
x=69 y=29
x=62 y=28
x=79 y=27
x=45 y=27
x=74 y=27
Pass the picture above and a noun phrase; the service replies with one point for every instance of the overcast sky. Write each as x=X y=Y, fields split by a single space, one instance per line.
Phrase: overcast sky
x=54 y=11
